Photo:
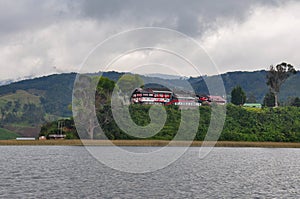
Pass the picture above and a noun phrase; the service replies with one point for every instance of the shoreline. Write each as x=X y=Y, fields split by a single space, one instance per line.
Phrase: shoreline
x=146 y=143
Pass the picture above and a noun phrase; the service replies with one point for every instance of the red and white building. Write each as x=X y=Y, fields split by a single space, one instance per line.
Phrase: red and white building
x=151 y=96
x=167 y=97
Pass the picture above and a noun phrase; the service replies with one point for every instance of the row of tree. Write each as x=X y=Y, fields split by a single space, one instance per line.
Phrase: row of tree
x=239 y=97
x=275 y=77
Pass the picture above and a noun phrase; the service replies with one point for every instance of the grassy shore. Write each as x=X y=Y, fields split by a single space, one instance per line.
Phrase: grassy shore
x=148 y=143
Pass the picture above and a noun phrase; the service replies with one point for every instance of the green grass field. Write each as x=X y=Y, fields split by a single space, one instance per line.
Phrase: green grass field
x=7 y=135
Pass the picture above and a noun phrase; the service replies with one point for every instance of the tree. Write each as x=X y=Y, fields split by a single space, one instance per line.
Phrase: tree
x=8 y=106
x=68 y=128
x=276 y=76
x=104 y=91
x=87 y=102
x=238 y=96
x=33 y=114
x=17 y=107
x=269 y=100
x=125 y=87
x=296 y=102
x=83 y=105
x=251 y=98
x=2 y=110
x=128 y=82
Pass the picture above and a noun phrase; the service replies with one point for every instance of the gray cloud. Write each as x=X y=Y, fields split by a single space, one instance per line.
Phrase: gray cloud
x=42 y=37
x=21 y=15
x=192 y=17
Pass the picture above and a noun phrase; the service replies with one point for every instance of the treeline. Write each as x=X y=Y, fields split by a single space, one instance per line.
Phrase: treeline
x=241 y=124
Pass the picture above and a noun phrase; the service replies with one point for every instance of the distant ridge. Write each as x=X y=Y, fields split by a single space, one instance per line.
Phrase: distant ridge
x=164 y=76
x=5 y=82
x=55 y=91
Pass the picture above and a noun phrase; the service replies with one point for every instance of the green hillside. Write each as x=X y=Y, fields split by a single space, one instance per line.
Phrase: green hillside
x=7 y=135
x=55 y=91
x=241 y=124
x=280 y=124
x=21 y=96
x=253 y=83
x=21 y=107
x=35 y=101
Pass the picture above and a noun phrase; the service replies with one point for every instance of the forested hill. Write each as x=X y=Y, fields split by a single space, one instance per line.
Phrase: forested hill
x=55 y=91
x=27 y=104
x=253 y=83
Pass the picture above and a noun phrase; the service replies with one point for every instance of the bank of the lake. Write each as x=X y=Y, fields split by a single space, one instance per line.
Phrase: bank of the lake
x=246 y=124
x=149 y=143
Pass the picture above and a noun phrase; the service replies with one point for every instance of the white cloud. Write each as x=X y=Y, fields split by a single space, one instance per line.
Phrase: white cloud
x=60 y=47
x=49 y=37
x=268 y=36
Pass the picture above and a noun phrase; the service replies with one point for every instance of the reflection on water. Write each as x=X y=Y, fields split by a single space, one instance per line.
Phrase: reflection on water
x=64 y=171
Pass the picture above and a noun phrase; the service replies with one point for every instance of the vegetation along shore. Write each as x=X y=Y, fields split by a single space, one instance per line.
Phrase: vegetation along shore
x=267 y=118
x=150 y=143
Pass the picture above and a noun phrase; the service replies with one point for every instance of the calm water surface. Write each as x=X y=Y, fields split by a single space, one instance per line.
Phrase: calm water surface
x=70 y=172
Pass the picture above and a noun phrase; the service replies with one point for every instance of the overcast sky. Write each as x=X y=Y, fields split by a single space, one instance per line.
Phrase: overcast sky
x=43 y=37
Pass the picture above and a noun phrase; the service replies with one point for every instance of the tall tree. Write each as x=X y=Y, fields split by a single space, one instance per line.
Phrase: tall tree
x=269 y=100
x=83 y=106
x=87 y=102
x=277 y=75
x=238 y=96
x=126 y=85
x=104 y=91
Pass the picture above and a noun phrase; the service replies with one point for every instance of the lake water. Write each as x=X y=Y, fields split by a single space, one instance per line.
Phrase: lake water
x=70 y=172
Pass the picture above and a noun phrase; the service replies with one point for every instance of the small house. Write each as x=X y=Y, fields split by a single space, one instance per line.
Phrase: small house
x=254 y=105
